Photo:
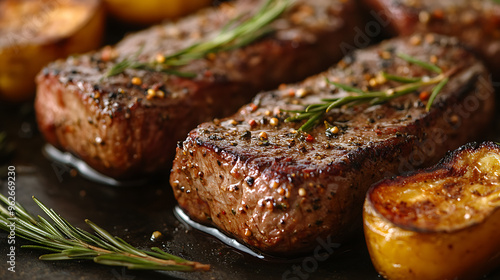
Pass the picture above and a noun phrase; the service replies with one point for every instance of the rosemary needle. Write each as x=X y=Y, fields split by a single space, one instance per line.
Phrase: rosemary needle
x=231 y=36
x=67 y=242
x=435 y=92
x=423 y=64
x=400 y=79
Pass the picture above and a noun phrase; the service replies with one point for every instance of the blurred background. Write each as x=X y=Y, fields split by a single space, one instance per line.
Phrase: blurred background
x=35 y=32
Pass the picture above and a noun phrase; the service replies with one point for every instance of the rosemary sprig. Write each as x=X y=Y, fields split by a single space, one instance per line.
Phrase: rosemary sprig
x=67 y=242
x=315 y=112
x=229 y=37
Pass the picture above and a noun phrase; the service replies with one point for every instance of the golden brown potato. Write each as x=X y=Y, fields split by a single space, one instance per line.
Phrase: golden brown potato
x=35 y=32
x=152 y=11
x=439 y=223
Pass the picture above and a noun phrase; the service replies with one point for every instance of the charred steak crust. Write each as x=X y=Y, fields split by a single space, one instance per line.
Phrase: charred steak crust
x=255 y=178
x=112 y=125
x=475 y=22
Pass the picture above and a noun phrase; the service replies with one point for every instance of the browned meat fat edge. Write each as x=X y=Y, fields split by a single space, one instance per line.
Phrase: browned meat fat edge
x=282 y=199
x=475 y=22
x=112 y=126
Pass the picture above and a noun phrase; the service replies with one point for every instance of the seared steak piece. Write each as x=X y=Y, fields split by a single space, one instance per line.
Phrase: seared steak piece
x=257 y=178
x=117 y=128
x=475 y=22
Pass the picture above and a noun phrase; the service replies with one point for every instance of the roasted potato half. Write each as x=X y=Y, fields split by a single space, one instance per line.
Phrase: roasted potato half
x=439 y=223
x=35 y=32
x=152 y=11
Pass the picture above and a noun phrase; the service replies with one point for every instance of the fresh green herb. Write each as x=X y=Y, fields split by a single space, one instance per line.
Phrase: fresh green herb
x=348 y=88
x=423 y=64
x=122 y=66
x=230 y=37
x=71 y=243
x=400 y=78
x=435 y=92
x=315 y=112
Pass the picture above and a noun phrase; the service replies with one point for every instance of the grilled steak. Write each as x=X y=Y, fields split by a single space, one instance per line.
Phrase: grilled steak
x=475 y=22
x=119 y=130
x=257 y=178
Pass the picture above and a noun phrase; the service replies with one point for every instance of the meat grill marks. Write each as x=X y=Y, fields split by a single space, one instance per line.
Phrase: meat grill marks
x=117 y=129
x=475 y=22
x=254 y=177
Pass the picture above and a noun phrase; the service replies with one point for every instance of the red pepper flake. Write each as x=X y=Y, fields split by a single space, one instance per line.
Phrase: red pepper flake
x=253 y=107
x=252 y=123
x=309 y=138
x=211 y=56
x=208 y=74
x=438 y=14
x=424 y=95
x=69 y=128
x=223 y=212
